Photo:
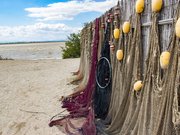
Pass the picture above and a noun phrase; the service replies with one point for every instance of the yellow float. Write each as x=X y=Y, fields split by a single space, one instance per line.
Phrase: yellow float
x=119 y=55
x=138 y=85
x=164 y=59
x=178 y=28
x=156 y=5
x=126 y=27
x=116 y=33
x=139 y=6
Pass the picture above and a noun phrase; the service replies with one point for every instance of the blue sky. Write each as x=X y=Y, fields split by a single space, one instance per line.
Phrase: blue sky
x=39 y=20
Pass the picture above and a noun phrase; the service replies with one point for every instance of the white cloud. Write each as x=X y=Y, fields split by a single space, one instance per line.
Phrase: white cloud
x=68 y=10
x=36 y=32
x=56 y=11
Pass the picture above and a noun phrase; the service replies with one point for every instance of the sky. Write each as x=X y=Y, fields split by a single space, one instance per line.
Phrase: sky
x=47 y=20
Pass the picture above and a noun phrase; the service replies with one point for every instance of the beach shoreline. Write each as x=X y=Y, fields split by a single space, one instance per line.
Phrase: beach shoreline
x=30 y=44
x=30 y=93
x=32 y=51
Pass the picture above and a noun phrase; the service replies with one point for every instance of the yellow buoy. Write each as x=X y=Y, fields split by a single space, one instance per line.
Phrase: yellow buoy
x=126 y=27
x=164 y=59
x=116 y=33
x=119 y=54
x=156 y=5
x=178 y=28
x=138 y=85
x=139 y=6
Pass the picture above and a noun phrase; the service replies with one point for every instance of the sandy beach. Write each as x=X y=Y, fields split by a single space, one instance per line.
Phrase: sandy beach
x=30 y=93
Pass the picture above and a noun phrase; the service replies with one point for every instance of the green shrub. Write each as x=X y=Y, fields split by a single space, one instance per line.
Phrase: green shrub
x=72 y=47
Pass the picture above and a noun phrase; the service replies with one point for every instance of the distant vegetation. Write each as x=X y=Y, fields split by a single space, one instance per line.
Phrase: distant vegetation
x=72 y=47
x=1 y=58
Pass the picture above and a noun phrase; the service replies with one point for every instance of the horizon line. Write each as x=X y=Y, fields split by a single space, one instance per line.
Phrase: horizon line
x=21 y=42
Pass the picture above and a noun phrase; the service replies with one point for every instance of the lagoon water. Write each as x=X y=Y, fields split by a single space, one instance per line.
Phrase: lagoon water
x=32 y=51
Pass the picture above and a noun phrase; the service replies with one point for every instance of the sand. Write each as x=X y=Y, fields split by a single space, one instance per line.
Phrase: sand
x=30 y=93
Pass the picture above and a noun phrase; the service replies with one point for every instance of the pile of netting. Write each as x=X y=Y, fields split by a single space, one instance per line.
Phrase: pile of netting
x=121 y=89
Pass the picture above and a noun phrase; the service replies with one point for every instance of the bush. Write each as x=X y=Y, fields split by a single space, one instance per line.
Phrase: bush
x=1 y=58
x=72 y=47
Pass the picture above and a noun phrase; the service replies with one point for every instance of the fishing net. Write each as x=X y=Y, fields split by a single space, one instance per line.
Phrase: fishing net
x=82 y=74
x=149 y=111
x=103 y=79
x=119 y=109
x=81 y=104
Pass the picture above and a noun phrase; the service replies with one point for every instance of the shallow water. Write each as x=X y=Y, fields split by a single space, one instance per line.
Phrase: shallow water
x=32 y=51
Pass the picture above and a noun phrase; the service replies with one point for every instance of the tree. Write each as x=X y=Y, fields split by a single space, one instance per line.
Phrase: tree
x=72 y=47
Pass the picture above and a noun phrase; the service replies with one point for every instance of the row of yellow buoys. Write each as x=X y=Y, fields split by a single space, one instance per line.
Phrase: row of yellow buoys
x=156 y=5
x=165 y=56
x=126 y=29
